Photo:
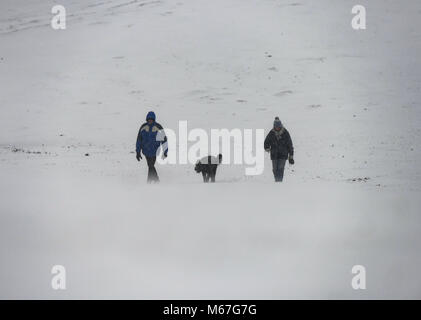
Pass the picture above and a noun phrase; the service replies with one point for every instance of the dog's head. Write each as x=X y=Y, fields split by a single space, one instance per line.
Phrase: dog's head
x=198 y=167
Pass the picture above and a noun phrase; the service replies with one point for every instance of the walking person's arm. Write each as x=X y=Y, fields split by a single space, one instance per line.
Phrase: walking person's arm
x=290 y=148
x=267 y=142
x=139 y=145
x=162 y=138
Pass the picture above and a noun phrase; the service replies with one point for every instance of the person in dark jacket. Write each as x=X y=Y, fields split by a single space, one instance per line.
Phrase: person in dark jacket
x=150 y=137
x=207 y=166
x=279 y=144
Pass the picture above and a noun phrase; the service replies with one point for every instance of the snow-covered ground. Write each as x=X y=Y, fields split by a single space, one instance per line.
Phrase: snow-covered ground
x=350 y=99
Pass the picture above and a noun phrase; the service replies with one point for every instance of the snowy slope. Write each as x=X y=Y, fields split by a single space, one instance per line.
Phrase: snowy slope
x=350 y=100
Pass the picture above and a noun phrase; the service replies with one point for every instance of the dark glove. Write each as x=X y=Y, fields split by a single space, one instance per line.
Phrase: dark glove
x=138 y=156
x=291 y=160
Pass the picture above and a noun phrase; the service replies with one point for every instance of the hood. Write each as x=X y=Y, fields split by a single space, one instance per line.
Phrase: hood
x=150 y=115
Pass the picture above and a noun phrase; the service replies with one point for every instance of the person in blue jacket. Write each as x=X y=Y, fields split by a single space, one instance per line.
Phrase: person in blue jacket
x=150 y=137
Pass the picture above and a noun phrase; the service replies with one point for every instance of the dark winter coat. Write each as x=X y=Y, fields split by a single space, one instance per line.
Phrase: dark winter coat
x=279 y=144
x=150 y=137
x=207 y=165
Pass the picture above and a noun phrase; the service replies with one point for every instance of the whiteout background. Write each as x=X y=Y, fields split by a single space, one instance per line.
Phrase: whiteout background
x=350 y=99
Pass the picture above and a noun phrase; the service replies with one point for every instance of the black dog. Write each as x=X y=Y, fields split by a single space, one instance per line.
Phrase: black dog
x=207 y=166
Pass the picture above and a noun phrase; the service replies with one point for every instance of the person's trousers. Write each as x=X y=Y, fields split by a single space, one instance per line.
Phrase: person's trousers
x=278 y=167
x=152 y=174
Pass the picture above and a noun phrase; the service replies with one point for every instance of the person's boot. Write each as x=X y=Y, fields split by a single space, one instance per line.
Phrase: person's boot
x=154 y=175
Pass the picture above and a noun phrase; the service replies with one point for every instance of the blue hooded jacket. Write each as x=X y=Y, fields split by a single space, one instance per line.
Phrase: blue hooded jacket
x=150 y=137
